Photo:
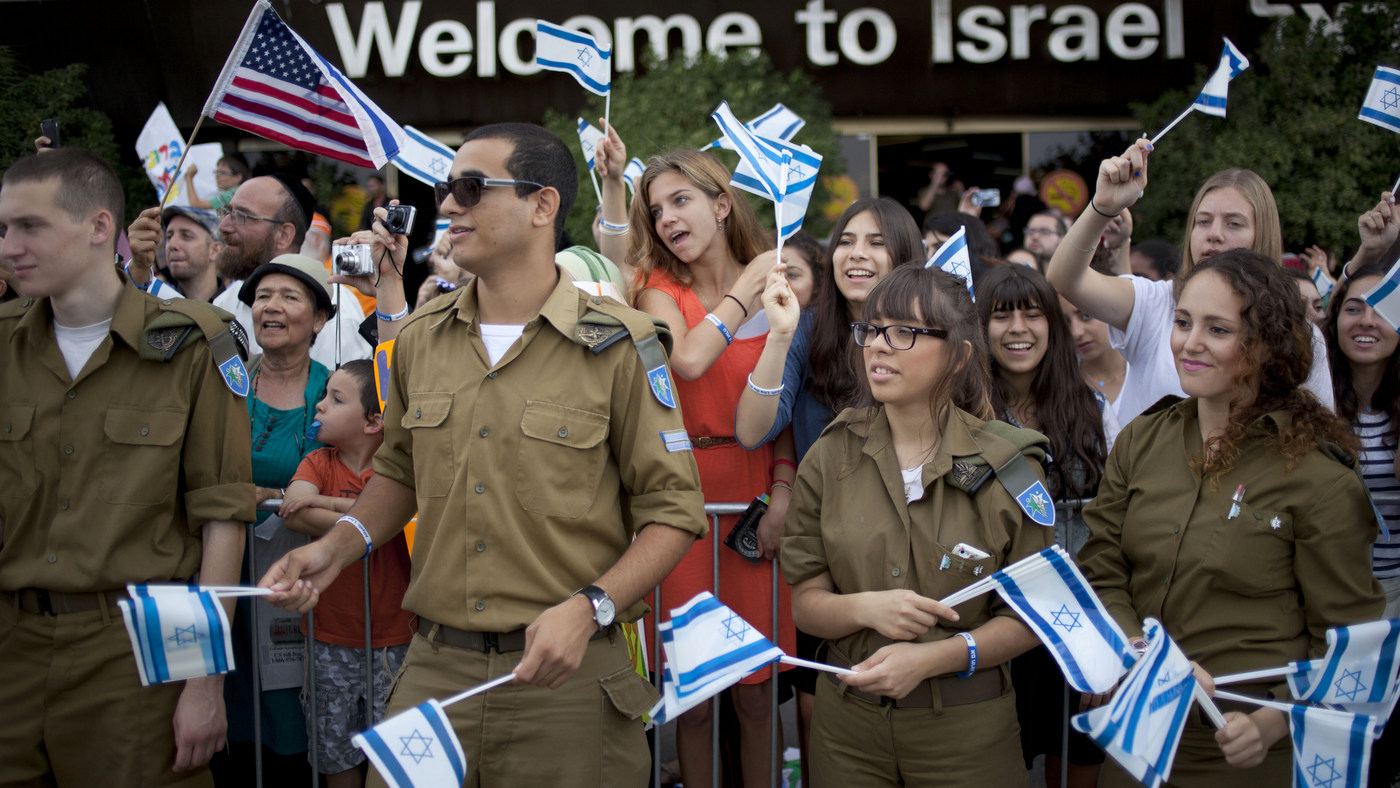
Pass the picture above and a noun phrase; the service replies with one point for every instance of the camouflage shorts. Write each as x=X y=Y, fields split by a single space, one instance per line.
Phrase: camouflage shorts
x=341 y=697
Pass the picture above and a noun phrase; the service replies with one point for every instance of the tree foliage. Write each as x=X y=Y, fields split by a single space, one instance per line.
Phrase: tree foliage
x=26 y=99
x=1292 y=119
x=667 y=107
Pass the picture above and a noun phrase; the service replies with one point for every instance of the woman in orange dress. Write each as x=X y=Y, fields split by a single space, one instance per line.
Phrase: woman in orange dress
x=703 y=261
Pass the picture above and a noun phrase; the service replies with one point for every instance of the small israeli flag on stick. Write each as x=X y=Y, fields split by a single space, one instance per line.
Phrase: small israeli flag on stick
x=954 y=258
x=179 y=632
x=561 y=49
x=1330 y=748
x=588 y=138
x=634 y=170
x=778 y=170
x=1384 y=297
x=1213 y=96
x=778 y=123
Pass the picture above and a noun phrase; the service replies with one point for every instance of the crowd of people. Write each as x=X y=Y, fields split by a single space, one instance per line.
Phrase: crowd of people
x=550 y=421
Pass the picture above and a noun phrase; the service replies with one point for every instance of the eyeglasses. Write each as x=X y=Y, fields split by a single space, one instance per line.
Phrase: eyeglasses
x=897 y=337
x=467 y=190
x=224 y=173
x=241 y=217
x=1041 y=231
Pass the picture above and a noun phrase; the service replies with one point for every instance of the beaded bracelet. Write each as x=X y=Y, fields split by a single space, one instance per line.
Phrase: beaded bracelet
x=728 y=337
x=971 y=657
x=763 y=392
x=359 y=526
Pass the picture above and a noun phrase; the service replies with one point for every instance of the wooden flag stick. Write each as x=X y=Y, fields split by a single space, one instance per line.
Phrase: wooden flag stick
x=1163 y=132
x=180 y=164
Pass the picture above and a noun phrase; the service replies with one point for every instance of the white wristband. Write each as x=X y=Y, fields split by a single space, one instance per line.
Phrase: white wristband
x=359 y=526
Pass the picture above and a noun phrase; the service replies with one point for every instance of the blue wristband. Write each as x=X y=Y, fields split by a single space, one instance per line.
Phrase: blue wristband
x=359 y=526
x=728 y=337
x=971 y=657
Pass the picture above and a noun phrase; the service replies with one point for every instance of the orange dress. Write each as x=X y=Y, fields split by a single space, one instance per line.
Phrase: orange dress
x=729 y=473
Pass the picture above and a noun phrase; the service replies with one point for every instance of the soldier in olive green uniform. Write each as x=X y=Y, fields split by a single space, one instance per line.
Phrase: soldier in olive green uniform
x=528 y=424
x=124 y=457
x=876 y=534
x=1245 y=580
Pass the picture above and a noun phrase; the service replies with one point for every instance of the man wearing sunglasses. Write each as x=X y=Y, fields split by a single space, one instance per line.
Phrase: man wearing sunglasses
x=553 y=482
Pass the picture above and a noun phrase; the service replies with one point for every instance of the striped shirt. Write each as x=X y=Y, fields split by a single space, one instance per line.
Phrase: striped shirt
x=1378 y=471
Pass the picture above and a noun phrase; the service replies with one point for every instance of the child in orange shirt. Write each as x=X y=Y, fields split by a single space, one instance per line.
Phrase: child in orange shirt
x=325 y=485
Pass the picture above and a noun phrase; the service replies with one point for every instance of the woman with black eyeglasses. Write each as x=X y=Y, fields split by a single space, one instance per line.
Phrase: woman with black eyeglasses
x=897 y=506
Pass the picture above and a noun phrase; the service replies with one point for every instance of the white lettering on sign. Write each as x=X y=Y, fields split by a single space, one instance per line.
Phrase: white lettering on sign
x=974 y=33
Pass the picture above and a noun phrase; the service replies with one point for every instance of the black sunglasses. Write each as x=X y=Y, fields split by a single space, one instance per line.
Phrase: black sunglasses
x=467 y=190
x=896 y=336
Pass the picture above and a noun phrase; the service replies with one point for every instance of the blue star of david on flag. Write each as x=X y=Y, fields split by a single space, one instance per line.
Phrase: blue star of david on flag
x=735 y=628
x=423 y=158
x=417 y=746
x=584 y=56
x=1382 y=103
x=1066 y=618
x=1350 y=685
x=1391 y=99
x=561 y=49
x=184 y=636
x=1321 y=778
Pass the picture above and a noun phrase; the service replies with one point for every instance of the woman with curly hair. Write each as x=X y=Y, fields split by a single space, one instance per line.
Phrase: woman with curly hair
x=1234 y=516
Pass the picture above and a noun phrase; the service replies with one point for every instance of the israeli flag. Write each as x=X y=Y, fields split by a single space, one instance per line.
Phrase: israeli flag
x=778 y=123
x=588 y=138
x=1330 y=748
x=1213 y=95
x=778 y=170
x=424 y=158
x=1384 y=299
x=1359 y=667
x=415 y=749
x=1382 y=104
x=634 y=170
x=1141 y=726
x=1048 y=592
x=177 y=632
x=1324 y=286
x=561 y=49
x=954 y=258
x=708 y=648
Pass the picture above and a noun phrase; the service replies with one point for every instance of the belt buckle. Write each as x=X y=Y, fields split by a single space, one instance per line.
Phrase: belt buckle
x=491 y=642
x=44 y=603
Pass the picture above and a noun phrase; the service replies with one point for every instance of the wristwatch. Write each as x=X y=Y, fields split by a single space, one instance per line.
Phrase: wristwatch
x=604 y=609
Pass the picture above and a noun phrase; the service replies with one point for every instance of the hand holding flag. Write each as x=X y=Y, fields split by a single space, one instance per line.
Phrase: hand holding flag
x=180 y=632
x=1212 y=98
x=1330 y=748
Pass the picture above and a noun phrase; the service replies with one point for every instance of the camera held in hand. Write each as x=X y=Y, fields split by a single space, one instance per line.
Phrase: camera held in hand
x=399 y=220
x=353 y=260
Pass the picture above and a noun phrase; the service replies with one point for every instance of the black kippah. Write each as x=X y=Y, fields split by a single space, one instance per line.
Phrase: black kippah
x=299 y=193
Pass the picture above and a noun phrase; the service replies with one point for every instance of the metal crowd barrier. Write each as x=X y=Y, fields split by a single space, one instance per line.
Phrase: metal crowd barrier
x=712 y=510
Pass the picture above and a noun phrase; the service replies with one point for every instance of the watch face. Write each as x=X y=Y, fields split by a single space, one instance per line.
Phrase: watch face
x=605 y=612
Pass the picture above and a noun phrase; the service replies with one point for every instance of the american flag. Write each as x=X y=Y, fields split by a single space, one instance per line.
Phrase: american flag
x=276 y=86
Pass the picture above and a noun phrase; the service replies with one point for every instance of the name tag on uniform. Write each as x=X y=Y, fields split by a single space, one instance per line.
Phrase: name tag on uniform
x=676 y=440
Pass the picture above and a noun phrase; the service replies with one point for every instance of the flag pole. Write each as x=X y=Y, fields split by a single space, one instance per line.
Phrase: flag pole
x=1396 y=187
x=1163 y=132
x=1209 y=707
x=181 y=162
x=1253 y=675
x=804 y=663
x=607 y=109
x=1268 y=704
x=480 y=688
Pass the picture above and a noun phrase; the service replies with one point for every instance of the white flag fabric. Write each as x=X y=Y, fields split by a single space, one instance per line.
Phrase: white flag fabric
x=1330 y=748
x=781 y=171
x=778 y=123
x=415 y=749
x=561 y=49
x=1324 y=285
x=424 y=158
x=634 y=170
x=1057 y=603
x=1359 y=667
x=954 y=258
x=1141 y=726
x=1384 y=297
x=1382 y=104
x=1213 y=96
x=588 y=138
x=177 y=632
x=708 y=649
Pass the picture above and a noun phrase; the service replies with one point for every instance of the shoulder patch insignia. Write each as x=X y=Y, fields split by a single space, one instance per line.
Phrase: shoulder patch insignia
x=661 y=386
x=235 y=375
x=1035 y=502
x=965 y=473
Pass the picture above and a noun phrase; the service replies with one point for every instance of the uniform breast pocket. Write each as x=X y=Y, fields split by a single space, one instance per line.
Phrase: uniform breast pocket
x=17 y=473
x=563 y=452
x=1253 y=553
x=426 y=420
x=961 y=565
x=148 y=438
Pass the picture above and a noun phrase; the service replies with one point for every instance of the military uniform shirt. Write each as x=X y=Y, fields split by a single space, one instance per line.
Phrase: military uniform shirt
x=848 y=517
x=533 y=474
x=1247 y=593
x=107 y=479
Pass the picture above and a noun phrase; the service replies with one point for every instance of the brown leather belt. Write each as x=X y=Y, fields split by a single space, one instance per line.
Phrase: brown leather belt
x=56 y=603
x=952 y=691
x=500 y=642
x=709 y=442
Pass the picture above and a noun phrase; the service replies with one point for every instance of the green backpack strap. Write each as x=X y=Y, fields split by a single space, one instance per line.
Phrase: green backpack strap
x=606 y=321
x=181 y=321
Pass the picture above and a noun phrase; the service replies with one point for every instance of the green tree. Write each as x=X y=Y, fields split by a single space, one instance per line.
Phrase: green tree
x=667 y=107
x=1292 y=119
x=26 y=99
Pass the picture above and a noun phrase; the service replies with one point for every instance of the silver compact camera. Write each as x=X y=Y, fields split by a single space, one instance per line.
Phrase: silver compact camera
x=353 y=260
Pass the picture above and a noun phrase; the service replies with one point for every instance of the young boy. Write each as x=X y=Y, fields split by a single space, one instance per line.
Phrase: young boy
x=324 y=487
